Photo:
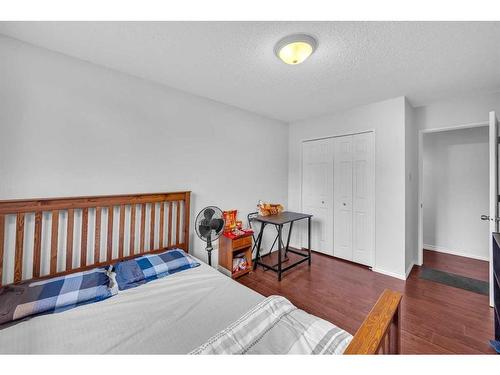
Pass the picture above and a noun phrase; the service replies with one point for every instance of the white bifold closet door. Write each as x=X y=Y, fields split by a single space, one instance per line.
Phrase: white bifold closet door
x=353 y=193
x=317 y=187
x=342 y=192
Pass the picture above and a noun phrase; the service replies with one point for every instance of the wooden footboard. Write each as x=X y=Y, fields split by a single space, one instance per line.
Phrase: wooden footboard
x=380 y=333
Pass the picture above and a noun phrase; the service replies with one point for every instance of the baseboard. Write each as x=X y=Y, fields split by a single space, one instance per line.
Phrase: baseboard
x=454 y=252
x=389 y=273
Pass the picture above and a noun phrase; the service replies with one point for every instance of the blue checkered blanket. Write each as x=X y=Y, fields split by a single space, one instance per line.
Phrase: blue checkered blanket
x=55 y=294
x=134 y=272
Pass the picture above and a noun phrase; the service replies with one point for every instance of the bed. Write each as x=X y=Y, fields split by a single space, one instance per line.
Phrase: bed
x=186 y=312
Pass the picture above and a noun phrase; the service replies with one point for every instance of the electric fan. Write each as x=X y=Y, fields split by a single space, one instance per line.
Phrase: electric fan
x=209 y=225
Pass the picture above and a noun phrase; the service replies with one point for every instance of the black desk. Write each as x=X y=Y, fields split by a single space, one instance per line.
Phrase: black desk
x=279 y=221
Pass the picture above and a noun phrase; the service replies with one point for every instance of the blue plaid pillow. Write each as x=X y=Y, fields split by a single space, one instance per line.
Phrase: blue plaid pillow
x=55 y=294
x=137 y=271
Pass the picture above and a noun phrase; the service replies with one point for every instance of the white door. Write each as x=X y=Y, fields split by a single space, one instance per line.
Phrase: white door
x=493 y=214
x=317 y=187
x=362 y=198
x=342 y=197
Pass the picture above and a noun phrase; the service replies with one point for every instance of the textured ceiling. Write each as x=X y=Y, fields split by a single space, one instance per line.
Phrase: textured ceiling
x=233 y=62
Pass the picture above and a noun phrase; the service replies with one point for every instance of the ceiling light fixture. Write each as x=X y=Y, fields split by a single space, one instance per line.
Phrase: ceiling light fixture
x=294 y=49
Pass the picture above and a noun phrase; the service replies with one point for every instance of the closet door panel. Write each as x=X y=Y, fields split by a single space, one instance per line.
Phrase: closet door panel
x=317 y=187
x=342 y=193
x=363 y=195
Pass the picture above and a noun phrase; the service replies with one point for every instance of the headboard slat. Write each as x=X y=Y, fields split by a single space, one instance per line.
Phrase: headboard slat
x=121 y=235
x=142 y=238
x=152 y=226
x=69 y=239
x=83 y=241
x=133 y=209
x=54 y=238
x=161 y=224
x=37 y=245
x=170 y=206
x=109 y=253
x=45 y=238
x=178 y=222
x=97 y=235
x=18 y=263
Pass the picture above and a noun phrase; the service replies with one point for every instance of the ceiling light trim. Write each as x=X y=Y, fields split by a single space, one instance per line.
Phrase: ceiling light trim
x=295 y=38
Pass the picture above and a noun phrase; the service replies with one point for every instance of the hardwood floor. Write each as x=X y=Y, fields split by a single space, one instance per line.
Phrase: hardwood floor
x=476 y=269
x=436 y=318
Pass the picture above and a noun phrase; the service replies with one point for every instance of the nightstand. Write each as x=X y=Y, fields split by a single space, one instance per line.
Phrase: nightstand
x=232 y=248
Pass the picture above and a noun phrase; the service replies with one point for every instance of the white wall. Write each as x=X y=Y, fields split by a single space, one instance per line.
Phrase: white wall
x=456 y=187
x=411 y=188
x=68 y=127
x=460 y=111
x=387 y=118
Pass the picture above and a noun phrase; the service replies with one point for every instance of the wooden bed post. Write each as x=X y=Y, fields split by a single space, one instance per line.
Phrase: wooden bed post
x=187 y=208
x=381 y=329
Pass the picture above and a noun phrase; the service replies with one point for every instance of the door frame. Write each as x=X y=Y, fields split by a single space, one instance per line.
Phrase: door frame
x=374 y=205
x=421 y=133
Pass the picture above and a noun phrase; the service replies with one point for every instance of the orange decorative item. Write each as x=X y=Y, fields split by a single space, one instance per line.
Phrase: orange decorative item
x=237 y=233
x=229 y=220
x=266 y=209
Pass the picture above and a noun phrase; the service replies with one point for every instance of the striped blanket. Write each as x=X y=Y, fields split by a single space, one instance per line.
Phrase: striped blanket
x=275 y=326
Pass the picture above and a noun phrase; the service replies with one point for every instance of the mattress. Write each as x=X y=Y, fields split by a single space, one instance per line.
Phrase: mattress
x=172 y=315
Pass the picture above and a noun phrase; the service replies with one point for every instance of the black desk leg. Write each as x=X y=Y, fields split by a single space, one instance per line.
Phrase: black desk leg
x=309 y=239
x=259 y=242
x=279 y=252
x=288 y=239
x=255 y=243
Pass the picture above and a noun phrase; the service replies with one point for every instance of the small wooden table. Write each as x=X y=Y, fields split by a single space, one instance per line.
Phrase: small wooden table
x=230 y=248
x=279 y=221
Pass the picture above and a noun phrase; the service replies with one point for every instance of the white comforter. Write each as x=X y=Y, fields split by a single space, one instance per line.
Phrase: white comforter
x=175 y=314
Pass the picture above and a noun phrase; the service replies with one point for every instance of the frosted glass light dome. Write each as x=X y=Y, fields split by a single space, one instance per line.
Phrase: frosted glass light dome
x=295 y=49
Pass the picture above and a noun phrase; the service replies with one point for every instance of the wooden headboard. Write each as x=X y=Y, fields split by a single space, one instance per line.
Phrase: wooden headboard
x=56 y=236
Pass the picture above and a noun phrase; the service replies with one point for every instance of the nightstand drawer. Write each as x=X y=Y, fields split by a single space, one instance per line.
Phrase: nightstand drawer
x=242 y=242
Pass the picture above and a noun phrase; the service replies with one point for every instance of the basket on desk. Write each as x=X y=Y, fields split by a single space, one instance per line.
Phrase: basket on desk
x=266 y=209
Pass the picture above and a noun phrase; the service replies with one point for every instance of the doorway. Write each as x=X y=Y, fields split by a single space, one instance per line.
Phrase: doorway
x=455 y=192
x=448 y=172
x=455 y=195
